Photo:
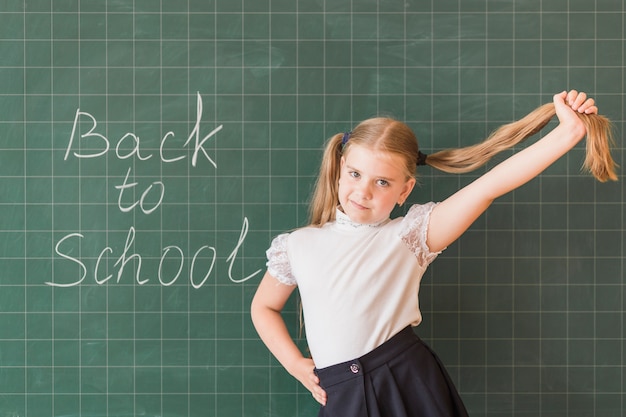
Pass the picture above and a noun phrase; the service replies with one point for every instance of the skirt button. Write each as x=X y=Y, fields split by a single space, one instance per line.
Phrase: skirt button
x=354 y=368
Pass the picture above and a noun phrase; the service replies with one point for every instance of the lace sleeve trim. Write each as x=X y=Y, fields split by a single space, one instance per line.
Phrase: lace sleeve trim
x=278 y=260
x=415 y=232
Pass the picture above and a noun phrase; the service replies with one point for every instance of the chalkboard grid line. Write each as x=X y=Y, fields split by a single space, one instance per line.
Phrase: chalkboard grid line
x=299 y=11
x=298 y=146
x=541 y=221
x=134 y=292
x=514 y=201
x=80 y=223
x=25 y=162
x=243 y=136
x=189 y=227
x=107 y=225
x=53 y=275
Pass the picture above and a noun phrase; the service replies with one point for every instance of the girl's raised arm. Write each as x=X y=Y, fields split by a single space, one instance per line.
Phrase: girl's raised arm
x=453 y=216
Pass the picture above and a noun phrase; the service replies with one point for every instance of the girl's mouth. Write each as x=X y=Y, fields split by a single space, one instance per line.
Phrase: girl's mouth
x=358 y=206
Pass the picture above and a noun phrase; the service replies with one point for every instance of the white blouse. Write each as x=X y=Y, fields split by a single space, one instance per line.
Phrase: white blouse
x=358 y=283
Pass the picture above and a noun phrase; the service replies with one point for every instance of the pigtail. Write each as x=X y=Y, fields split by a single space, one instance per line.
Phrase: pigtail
x=598 y=157
x=598 y=160
x=325 y=196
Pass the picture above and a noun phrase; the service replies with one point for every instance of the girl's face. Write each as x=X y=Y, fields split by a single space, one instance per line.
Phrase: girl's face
x=371 y=183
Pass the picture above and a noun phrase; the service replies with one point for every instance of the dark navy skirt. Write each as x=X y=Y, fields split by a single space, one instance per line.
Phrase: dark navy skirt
x=401 y=378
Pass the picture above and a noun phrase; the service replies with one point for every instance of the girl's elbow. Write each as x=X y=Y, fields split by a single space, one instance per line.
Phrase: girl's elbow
x=259 y=309
x=269 y=299
x=256 y=308
x=256 y=314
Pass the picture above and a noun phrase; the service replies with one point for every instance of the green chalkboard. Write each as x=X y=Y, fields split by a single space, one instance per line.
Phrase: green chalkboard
x=151 y=149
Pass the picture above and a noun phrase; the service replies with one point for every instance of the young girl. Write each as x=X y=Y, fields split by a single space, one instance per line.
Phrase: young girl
x=358 y=272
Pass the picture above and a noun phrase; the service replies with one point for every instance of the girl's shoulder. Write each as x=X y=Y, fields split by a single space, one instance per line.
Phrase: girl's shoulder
x=415 y=215
x=278 y=264
x=414 y=231
x=282 y=239
x=420 y=210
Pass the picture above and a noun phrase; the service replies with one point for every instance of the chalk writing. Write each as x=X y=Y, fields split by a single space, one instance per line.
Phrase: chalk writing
x=97 y=145
x=64 y=248
x=126 y=185
x=92 y=144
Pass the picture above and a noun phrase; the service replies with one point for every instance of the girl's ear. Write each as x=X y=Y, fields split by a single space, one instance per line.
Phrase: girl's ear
x=406 y=190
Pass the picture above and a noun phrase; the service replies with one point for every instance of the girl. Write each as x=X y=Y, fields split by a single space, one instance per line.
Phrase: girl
x=358 y=272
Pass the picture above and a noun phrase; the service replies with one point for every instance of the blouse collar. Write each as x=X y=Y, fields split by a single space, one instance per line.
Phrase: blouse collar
x=342 y=219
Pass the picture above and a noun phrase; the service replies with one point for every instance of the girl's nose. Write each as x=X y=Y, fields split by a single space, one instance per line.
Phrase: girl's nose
x=365 y=190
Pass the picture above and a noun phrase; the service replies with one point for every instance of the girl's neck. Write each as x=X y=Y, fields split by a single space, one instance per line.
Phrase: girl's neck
x=342 y=218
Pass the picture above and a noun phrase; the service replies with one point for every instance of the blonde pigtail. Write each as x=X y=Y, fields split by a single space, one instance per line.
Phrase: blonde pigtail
x=325 y=197
x=598 y=159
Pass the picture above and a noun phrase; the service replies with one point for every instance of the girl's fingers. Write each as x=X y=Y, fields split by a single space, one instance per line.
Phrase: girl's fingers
x=579 y=102
x=576 y=99
x=588 y=107
x=320 y=397
x=319 y=394
x=570 y=97
x=317 y=391
x=591 y=110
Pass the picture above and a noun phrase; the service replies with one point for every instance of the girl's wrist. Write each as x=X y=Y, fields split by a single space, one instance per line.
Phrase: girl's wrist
x=294 y=365
x=575 y=130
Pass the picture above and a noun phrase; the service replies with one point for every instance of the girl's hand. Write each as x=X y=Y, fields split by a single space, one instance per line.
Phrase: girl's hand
x=580 y=103
x=303 y=371
x=567 y=104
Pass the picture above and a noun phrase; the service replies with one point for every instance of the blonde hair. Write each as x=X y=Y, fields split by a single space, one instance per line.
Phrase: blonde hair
x=386 y=134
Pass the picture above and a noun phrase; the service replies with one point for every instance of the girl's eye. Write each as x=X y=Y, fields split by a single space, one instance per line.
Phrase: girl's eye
x=354 y=174
x=383 y=183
